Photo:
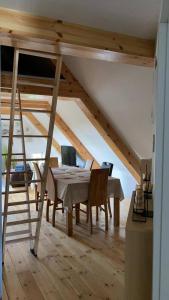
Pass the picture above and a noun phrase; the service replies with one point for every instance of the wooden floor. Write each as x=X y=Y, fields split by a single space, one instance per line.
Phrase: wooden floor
x=82 y=267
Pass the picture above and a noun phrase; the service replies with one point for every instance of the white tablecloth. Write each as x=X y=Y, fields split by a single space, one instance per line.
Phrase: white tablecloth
x=73 y=183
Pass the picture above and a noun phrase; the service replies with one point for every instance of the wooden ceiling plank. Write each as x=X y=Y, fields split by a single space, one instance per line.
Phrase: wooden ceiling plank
x=17 y=27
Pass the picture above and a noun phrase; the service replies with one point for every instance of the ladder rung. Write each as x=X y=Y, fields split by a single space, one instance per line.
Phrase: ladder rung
x=36 y=110
x=13 y=233
x=26 y=136
x=22 y=222
x=3 y=154
x=15 y=192
x=39 y=54
x=24 y=82
x=9 y=102
x=14 y=172
x=15 y=212
x=20 y=240
x=24 y=202
x=8 y=119
x=28 y=159
x=27 y=181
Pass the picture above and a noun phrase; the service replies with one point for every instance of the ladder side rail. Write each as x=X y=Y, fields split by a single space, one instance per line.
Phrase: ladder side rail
x=48 y=148
x=25 y=167
x=10 y=143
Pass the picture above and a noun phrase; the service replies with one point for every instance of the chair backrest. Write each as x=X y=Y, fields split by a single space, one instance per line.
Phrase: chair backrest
x=50 y=185
x=38 y=176
x=89 y=164
x=107 y=165
x=53 y=162
x=145 y=169
x=97 y=194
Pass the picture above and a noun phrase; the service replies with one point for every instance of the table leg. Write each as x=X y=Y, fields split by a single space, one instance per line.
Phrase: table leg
x=116 y=212
x=69 y=222
x=77 y=208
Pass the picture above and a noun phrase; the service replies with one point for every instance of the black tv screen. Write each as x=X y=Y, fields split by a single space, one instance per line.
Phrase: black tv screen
x=68 y=154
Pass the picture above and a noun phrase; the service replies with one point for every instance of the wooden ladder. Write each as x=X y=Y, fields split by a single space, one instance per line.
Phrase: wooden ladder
x=17 y=110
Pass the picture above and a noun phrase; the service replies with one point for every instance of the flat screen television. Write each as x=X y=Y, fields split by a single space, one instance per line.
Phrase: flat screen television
x=68 y=154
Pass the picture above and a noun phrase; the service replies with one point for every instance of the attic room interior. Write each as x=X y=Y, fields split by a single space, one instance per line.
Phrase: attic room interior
x=84 y=143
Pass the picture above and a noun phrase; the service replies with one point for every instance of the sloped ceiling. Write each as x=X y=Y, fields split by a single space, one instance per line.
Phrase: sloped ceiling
x=125 y=95
x=135 y=17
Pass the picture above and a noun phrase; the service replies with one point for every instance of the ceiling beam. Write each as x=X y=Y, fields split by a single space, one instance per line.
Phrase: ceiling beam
x=23 y=30
x=65 y=87
x=124 y=152
x=27 y=103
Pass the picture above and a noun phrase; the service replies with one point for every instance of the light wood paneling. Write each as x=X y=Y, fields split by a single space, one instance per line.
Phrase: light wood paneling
x=70 y=39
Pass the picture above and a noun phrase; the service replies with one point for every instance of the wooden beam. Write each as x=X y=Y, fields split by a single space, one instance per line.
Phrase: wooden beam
x=26 y=31
x=27 y=103
x=65 y=87
x=75 y=142
x=109 y=134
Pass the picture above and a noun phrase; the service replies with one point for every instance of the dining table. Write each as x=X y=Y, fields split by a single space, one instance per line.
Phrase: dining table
x=72 y=184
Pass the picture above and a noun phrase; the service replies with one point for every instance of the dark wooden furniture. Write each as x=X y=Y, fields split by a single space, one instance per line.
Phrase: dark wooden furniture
x=17 y=179
x=97 y=194
x=109 y=166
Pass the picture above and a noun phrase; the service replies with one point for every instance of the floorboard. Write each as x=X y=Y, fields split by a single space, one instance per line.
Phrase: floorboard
x=81 y=267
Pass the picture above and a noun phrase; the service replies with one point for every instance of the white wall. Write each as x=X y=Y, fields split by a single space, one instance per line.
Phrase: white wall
x=124 y=93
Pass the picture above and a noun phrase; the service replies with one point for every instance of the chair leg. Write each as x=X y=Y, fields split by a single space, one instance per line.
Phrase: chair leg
x=36 y=197
x=97 y=214
x=62 y=208
x=109 y=207
x=47 y=210
x=91 y=221
x=54 y=213
x=106 y=217
x=87 y=214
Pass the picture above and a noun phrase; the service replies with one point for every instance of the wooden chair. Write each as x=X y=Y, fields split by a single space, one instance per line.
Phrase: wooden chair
x=109 y=166
x=38 y=185
x=145 y=169
x=52 y=197
x=53 y=162
x=97 y=194
x=89 y=164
